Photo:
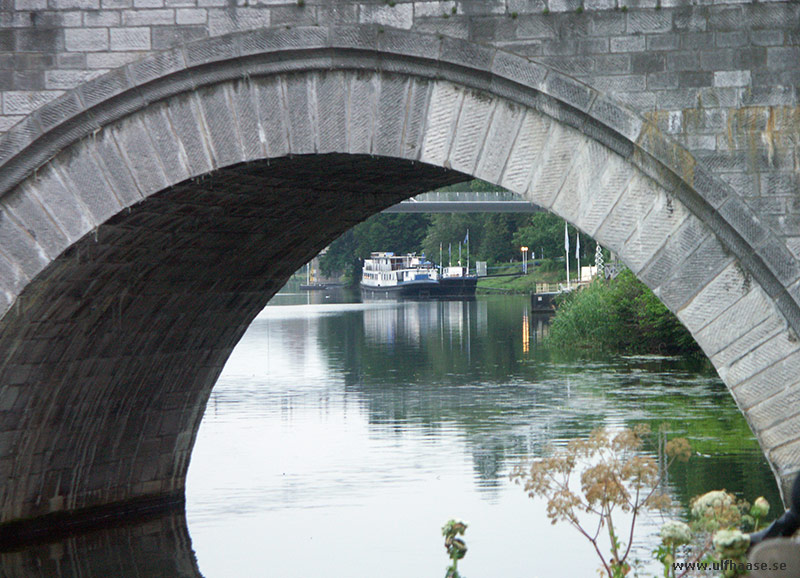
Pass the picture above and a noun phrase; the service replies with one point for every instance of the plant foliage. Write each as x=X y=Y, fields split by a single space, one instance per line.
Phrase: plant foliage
x=620 y=315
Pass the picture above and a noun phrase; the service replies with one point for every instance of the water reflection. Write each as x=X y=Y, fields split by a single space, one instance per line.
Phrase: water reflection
x=157 y=546
x=415 y=411
x=341 y=435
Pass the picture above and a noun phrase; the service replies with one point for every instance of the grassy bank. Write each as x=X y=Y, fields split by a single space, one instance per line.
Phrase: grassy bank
x=513 y=281
x=621 y=315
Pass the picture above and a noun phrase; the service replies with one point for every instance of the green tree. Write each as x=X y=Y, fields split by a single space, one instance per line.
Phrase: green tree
x=544 y=234
x=398 y=232
x=497 y=243
x=450 y=229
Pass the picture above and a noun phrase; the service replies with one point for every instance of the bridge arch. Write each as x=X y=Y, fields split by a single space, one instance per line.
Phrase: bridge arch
x=148 y=215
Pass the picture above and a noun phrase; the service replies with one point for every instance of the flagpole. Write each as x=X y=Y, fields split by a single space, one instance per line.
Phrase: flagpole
x=566 y=251
x=467 y=251
x=578 y=253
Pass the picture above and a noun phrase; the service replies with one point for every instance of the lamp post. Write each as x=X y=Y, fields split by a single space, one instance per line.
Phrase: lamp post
x=524 y=259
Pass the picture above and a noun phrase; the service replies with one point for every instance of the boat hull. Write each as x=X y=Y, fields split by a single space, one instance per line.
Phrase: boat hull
x=455 y=287
x=409 y=290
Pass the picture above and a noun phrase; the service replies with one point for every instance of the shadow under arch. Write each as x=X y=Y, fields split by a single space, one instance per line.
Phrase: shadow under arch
x=148 y=215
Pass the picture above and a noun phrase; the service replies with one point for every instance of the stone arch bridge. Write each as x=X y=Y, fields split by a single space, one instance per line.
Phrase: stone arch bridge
x=167 y=164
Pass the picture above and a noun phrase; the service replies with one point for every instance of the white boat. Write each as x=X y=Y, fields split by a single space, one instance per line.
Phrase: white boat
x=386 y=275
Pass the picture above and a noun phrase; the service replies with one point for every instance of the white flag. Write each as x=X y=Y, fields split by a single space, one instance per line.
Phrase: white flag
x=566 y=238
x=577 y=245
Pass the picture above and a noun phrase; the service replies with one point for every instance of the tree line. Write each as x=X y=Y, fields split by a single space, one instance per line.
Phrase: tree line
x=492 y=237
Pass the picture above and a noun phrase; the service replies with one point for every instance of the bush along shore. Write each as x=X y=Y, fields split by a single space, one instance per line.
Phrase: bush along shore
x=620 y=315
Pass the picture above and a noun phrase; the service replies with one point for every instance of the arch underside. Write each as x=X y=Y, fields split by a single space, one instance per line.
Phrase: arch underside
x=135 y=259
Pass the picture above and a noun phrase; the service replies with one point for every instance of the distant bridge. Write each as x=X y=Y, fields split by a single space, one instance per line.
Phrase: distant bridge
x=466 y=202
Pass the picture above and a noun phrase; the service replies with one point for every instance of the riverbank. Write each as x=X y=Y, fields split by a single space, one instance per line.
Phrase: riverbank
x=511 y=281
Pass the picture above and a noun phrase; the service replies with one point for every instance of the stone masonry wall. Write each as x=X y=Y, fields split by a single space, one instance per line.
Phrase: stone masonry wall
x=721 y=77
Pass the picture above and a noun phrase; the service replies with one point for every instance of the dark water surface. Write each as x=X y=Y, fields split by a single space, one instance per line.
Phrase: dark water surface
x=342 y=435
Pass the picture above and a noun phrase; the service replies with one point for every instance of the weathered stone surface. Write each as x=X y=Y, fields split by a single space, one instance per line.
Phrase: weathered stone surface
x=667 y=132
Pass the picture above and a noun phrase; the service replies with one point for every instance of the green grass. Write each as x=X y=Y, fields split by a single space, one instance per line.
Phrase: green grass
x=518 y=284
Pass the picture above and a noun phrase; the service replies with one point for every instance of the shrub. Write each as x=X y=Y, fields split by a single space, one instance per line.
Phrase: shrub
x=620 y=315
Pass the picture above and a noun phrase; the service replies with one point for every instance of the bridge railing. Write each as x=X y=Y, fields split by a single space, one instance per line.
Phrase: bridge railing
x=465 y=202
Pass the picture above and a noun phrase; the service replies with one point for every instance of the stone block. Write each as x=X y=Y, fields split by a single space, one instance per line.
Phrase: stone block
x=558 y=153
x=302 y=129
x=781 y=429
x=191 y=16
x=142 y=160
x=80 y=172
x=765 y=370
x=599 y=199
x=101 y=19
x=471 y=129
x=536 y=26
x=779 y=259
x=628 y=44
x=363 y=94
x=167 y=144
x=569 y=91
x=59 y=202
x=580 y=182
x=663 y=42
x=416 y=117
x=156 y=66
x=152 y=17
x=272 y=116
x=212 y=50
x=649 y=22
x=518 y=69
x=730 y=326
x=467 y=54
x=24 y=102
x=626 y=215
x=115 y=168
x=402 y=43
x=123 y=39
x=166 y=37
x=106 y=60
x=607 y=23
x=526 y=151
x=244 y=107
x=391 y=115
x=35 y=220
x=331 y=111
x=12 y=281
x=20 y=248
x=220 y=123
x=105 y=87
x=502 y=132
x=443 y=109
x=651 y=234
x=223 y=21
x=86 y=39
x=744 y=221
x=397 y=16
x=728 y=287
x=693 y=273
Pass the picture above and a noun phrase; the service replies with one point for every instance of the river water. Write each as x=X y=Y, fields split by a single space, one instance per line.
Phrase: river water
x=343 y=435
